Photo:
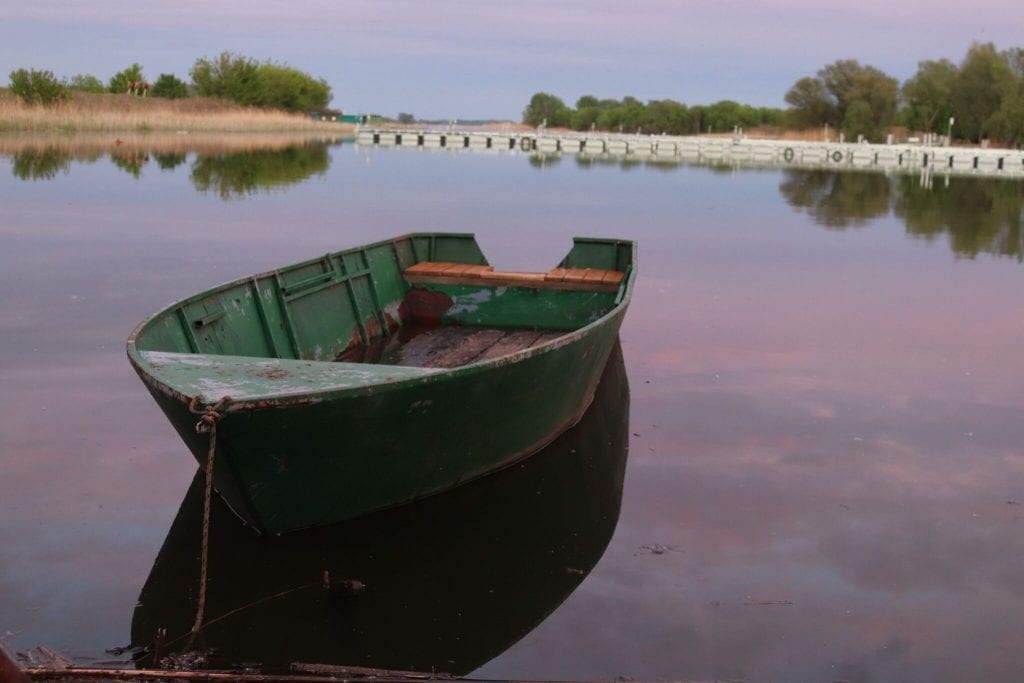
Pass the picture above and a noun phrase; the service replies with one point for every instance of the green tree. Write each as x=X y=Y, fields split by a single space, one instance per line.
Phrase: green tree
x=545 y=107
x=87 y=83
x=810 y=104
x=227 y=76
x=584 y=118
x=592 y=113
x=860 y=120
x=725 y=115
x=656 y=116
x=984 y=79
x=119 y=81
x=826 y=99
x=1015 y=58
x=629 y=115
x=1007 y=124
x=169 y=86
x=849 y=82
x=667 y=116
x=405 y=117
x=928 y=96
x=38 y=87
x=771 y=116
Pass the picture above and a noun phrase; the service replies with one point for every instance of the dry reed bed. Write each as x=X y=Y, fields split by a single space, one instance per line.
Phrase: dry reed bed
x=123 y=113
x=92 y=144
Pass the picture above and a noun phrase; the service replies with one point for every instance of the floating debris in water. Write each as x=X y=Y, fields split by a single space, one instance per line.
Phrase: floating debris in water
x=658 y=549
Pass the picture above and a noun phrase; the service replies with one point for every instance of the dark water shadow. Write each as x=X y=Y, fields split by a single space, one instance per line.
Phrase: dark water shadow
x=445 y=584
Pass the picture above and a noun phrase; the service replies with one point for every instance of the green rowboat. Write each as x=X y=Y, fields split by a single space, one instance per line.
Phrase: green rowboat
x=377 y=375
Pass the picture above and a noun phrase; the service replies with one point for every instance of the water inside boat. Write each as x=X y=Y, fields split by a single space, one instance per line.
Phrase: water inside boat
x=446 y=346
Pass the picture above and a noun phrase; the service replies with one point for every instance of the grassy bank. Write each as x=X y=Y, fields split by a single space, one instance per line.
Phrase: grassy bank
x=86 y=112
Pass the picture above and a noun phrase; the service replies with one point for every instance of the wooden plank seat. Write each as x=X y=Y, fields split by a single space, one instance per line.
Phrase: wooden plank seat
x=575 y=279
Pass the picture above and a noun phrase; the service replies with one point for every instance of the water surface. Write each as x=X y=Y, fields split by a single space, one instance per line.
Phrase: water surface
x=824 y=479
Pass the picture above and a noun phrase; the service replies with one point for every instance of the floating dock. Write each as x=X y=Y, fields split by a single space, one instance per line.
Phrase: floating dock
x=739 y=151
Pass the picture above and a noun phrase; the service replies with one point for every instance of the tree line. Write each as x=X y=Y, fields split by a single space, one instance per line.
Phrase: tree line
x=983 y=97
x=630 y=115
x=227 y=76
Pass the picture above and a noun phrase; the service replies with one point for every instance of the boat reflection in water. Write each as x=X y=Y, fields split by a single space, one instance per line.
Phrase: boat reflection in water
x=442 y=585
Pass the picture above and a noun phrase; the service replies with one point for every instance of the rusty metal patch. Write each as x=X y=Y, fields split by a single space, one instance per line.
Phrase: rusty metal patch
x=426 y=306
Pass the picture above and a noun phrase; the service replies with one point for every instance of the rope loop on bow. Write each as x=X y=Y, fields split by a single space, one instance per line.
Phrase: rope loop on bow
x=209 y=415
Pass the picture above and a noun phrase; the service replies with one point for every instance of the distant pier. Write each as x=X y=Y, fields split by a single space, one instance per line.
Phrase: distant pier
x=737 y=150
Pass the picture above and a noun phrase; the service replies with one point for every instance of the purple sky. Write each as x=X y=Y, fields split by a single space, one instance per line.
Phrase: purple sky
x=483 y=59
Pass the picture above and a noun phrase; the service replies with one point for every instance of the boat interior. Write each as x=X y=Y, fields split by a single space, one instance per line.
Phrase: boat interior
x=422 y=300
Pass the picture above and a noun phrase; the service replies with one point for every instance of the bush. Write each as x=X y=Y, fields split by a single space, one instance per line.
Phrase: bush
x=242 y=80
x=169 y=86
x=286 y=88
x=87 y=83
x=40 y=87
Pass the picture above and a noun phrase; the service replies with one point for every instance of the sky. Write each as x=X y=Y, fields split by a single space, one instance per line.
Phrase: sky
x=484 y=58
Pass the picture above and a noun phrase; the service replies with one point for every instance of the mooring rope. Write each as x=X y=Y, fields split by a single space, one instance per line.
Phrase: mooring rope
x=209 y=416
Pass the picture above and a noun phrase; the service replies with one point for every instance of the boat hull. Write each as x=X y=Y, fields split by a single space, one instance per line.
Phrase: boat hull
x=288 y=466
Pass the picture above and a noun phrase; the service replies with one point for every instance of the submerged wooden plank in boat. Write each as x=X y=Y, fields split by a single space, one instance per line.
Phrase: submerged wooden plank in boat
x=451 y=346
x=515 y=341
x=475 y=343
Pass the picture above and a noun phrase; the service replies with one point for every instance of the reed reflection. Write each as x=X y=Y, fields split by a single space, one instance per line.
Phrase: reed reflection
x=442 y=585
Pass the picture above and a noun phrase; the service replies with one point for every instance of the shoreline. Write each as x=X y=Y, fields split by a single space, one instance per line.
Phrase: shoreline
x=123 y=114
x=164 y=142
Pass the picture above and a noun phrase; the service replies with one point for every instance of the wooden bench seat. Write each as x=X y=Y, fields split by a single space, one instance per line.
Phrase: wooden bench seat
x=573 y=279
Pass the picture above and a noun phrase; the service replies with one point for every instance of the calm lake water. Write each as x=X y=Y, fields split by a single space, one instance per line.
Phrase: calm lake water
x=814 y=471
